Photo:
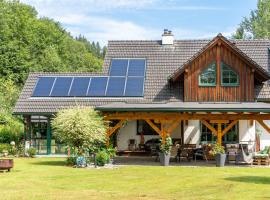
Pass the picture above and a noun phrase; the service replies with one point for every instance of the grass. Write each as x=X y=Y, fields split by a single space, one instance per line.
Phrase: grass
x=49 y=178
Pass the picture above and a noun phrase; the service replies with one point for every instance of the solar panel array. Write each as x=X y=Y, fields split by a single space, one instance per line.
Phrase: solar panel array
x=126 y=79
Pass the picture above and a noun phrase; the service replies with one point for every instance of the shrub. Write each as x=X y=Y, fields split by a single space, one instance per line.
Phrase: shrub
x=166 y=147
x=71 y=161
x=102 y=158
x=5 y=147
x=80 y=127
x=32 y=152
x=217 y=149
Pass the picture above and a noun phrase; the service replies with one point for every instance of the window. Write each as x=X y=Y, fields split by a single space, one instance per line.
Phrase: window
x=208 y=137
x=145 y=128
x=208 y=76
x=228 y=76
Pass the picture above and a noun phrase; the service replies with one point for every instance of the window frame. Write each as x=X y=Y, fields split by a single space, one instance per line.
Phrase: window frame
x=221 y=76
x=208 y=84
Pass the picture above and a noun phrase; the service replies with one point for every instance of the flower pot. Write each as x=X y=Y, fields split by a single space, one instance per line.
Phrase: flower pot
x=164 y=159
x=220 y=160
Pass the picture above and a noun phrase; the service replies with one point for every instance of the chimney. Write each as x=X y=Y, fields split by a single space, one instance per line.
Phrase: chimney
x=167 y=37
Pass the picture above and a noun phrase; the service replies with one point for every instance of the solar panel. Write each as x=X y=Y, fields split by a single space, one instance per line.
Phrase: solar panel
x=116 y=86
x=97 y=86
x=79 y=86
x=61 y=87
x=136 y=67
x=134 y=86
x=118 y=67
x=43 y=87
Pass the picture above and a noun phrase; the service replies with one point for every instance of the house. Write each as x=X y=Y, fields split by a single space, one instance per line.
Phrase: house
x=197 y=91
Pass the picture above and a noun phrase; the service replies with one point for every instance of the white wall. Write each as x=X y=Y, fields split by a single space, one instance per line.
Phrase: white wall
x=192 y=133
x=247 y=133
x=265 y=136
x=129 y=131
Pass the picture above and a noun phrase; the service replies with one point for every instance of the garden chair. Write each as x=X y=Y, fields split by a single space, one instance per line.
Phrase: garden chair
x=202 y=152
x=175 y=152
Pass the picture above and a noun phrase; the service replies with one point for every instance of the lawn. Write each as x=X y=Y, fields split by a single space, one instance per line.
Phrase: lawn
x=49 y=178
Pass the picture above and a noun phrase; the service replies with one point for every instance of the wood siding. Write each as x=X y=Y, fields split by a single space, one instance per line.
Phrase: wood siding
x=219 y=53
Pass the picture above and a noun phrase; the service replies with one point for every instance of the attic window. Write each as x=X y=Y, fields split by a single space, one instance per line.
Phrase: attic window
x=208 y=76
x=229 y=77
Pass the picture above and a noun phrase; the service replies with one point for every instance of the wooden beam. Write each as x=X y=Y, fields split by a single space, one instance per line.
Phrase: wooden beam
x=251 y=122
x=219 y=121
x=163 y=133
x=154 y=127
x=229 y=127
x=219 y=133
x=183 y=116
x=265 y=126
x=111 y=130
x=209 y=126
x=174 y=126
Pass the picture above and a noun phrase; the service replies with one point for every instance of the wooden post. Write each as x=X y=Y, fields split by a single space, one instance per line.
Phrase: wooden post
x=219 y=134
x=163 y=133
x=49 y=136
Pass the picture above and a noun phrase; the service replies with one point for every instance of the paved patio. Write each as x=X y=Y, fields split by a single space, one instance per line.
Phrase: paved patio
x=150 y=161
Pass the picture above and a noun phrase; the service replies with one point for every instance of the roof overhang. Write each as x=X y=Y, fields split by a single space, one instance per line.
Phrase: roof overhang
x=252 y=107
x=264 y=75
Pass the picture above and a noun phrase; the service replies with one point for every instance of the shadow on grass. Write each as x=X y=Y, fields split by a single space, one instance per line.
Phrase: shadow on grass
x=51 y=163
x=250 y=179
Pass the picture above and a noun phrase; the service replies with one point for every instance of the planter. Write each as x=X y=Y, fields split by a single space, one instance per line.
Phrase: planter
x=6 y=164
x=220 y=160
x=164 y=159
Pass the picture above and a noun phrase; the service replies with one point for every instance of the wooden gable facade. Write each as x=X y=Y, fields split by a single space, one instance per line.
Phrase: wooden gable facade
x=219 y=53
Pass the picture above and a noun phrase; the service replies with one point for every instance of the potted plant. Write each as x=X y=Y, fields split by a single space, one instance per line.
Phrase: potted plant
x=165 y=151
x=219 y=153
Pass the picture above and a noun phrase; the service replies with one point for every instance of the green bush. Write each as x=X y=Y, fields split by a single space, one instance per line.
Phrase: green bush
x=102 y=158
x=32 y=152
x=71 y=161
x=5 y=147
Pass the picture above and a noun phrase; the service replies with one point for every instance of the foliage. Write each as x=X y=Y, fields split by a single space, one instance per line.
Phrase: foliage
x=31 y=152
x=29 y=43
x=80 y=127
x=166 y=147
x=71 y=161
x=102 y=157
x=93 y=47
x=111 y=151
x=5 y=147
x=217 y=149
x=257 y=25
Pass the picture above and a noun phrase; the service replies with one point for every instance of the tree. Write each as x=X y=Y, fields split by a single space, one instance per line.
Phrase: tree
x=80 y=127
x=257 y=25
x=29 y=43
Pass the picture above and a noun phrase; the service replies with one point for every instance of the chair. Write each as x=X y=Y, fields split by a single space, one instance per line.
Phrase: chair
x=262 y=157
x=175 y=152
x=186 y=152
x=202 y=152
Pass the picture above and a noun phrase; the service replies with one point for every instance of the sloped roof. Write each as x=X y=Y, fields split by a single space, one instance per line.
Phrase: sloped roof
x=258 y=69
x=161 y=62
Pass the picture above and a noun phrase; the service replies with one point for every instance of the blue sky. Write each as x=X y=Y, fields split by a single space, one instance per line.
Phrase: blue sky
x=103 y=20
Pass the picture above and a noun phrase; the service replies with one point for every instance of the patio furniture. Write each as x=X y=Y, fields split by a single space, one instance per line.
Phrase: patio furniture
x=6 y=164
x=175 y=152
x=245 y=156
x=232 y=151
x=201 y=152
x=186 y=151
x=132 y=145
x=262 y=157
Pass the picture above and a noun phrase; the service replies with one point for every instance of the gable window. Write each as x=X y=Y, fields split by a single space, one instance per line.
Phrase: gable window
x=229 y=77
x=208 y=76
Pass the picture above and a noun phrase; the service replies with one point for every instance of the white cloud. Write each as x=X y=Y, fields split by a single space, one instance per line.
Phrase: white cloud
x=90 y=18
x=106 y=29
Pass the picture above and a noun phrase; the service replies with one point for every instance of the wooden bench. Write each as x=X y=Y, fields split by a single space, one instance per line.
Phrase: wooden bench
x=6 y=164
